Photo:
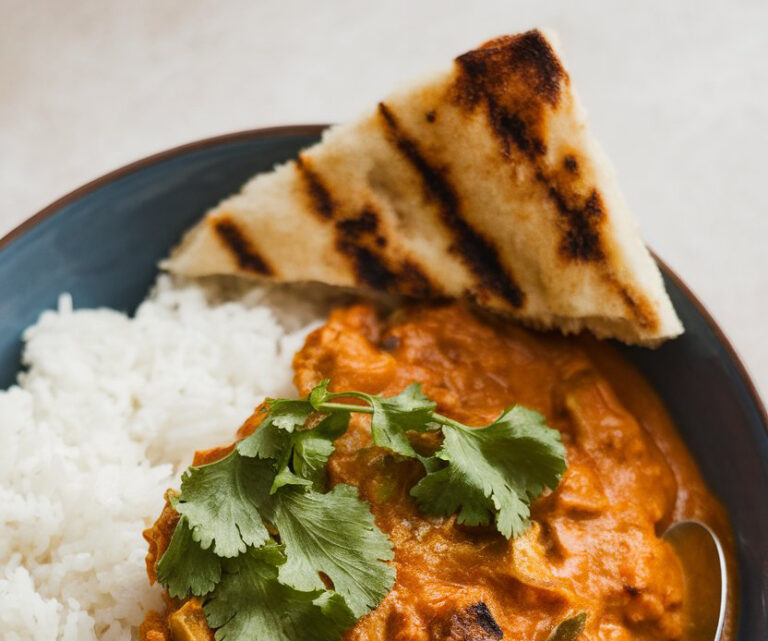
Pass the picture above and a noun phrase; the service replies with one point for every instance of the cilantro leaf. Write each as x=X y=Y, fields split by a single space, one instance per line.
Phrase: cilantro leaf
x=494 y=471
x=387 y=433
x=267 y=441
x=187 y=568
x=311 y=449
x=334 y=533
x=335 y=608
x=222 y=501
x=285 y=476
x=272 y=437
x=394 y=416
x=222 y=549
x=319 y=394
x=251 y=603
x=411 y=409
x=568 y=629
x=305 y=456
x=288 y=414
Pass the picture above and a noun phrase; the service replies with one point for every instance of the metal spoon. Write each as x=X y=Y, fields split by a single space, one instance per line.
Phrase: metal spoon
x=706 y=584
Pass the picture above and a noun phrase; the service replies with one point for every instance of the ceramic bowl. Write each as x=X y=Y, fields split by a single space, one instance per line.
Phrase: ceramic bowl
x=103 y=241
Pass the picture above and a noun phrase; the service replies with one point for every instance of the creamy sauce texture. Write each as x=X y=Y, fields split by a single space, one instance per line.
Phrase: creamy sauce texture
x=594 y=544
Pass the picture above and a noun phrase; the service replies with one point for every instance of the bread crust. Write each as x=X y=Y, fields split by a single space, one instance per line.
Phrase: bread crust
x=481 y=182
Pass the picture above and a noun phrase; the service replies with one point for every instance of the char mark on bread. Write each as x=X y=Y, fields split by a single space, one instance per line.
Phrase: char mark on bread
x=518 y=121
x=477 y=252
x=355 y=238
x=352 y=235
x=511 y=128
x=413 y=282
x=319 y=196
x=571 y=164
x=581 y=237
x=361 y=240
x=237 y=242
x=366 y=222
x=639 y=306
x=527 y=57
x=370 y=270
x=480 y=182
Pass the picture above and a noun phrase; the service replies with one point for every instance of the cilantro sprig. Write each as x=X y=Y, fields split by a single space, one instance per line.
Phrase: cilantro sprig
x=482 y=474
x=273 y=554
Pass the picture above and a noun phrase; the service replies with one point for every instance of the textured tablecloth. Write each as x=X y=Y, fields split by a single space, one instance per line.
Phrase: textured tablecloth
x=676 y=93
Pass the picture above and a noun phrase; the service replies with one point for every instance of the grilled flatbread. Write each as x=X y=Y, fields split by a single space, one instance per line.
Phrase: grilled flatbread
x=480 y=182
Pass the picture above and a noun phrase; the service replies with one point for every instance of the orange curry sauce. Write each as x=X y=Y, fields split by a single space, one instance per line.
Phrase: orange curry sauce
x=594 y=545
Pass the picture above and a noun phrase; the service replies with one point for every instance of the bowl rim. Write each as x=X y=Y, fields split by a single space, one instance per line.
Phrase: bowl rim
x=315 y=130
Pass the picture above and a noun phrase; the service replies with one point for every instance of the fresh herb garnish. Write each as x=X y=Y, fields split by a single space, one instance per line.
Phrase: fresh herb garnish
x=251 y=602
x=223 y=503
x=186 y=568
x=568 y=629
x=494 y=471
x=273 y=554
x=484 y=474
x=334 y=533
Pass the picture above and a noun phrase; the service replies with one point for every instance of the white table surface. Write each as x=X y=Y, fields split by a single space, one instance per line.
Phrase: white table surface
x=676 y=90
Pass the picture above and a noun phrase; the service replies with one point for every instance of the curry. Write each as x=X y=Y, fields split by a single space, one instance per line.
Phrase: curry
x=594 y=544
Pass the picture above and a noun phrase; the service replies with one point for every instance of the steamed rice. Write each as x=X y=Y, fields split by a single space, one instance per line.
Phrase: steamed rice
x=106 y=417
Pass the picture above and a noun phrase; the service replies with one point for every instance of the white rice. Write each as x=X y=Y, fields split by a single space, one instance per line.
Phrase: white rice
x=107 y=415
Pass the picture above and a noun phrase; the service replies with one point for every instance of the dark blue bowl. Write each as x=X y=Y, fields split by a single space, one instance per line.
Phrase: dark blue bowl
x=103 y=241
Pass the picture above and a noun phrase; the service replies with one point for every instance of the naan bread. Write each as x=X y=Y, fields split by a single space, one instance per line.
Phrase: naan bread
x=480 y=182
